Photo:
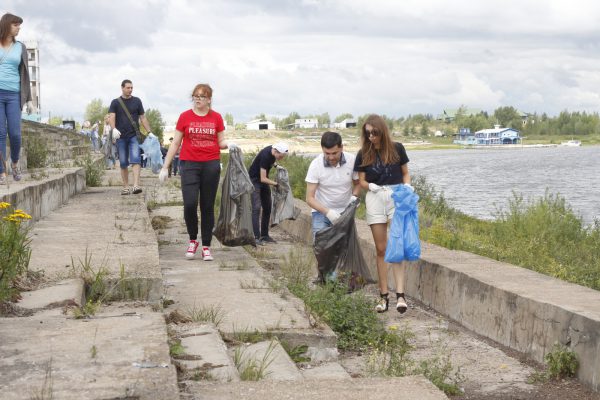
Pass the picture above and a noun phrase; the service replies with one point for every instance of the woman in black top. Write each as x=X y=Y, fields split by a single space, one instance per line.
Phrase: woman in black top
x=382 y=164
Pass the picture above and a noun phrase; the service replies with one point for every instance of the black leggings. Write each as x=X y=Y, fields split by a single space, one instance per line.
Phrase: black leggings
x=199 y=179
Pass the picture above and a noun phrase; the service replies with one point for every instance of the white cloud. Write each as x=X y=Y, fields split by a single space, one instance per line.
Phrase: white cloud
x=313 y=56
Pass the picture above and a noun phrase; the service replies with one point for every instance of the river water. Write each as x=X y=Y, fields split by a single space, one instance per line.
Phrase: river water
x=479 y=182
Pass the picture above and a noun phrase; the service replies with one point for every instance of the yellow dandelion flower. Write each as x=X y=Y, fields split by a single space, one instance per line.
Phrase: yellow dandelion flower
x=4 y=205
x=393 y=328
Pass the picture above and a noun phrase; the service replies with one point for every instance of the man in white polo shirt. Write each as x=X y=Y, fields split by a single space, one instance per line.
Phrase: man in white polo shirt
x=331 y=183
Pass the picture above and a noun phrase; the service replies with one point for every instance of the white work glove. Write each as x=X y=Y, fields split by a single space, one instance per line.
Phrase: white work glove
x=151 y=135
x=116 y=134
x=232 y=146
x=163 y=175
x=354 y=199
x=408 y=185
x=29 y=107
x=373 y=187
x=332 y=215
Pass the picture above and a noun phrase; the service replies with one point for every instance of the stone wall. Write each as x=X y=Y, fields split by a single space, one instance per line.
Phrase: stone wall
x=62 y=145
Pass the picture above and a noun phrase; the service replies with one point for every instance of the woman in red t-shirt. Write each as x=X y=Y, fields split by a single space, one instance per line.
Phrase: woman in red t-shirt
x=200 y=133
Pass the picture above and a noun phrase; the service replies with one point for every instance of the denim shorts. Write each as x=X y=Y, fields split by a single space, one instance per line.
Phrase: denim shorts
x=129 y=151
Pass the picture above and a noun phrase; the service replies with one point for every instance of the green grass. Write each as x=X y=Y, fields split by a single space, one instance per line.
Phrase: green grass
x=544 y=235
x=359 y=328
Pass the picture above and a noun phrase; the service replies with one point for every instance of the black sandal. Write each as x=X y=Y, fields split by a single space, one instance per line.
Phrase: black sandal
x=383 y=303
x=401 y=305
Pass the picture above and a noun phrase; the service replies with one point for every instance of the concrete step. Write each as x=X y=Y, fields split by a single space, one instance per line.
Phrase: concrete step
x=206 y=356
x=103 y=230
x=41 y=194
x=70 y=292
x=235 y=284
x=406 y=388
x=121 y=353
x=330 y=370
x=269 y=357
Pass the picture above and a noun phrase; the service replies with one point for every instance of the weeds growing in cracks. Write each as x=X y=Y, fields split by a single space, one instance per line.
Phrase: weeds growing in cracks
x=211 y=313
x=358 y=327
x=98 y=290
x=561 y=362
x=253 y=368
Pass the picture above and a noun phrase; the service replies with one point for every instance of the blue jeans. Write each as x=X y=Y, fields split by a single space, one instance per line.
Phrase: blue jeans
x=129 y=151
x=319 y=221
x=10 y=123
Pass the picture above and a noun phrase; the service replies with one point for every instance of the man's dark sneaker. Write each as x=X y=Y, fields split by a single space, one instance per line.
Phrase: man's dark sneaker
x=268 y=239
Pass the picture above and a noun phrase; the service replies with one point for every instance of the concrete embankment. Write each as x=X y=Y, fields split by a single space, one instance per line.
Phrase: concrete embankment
x=518 y=308
x=122 y=349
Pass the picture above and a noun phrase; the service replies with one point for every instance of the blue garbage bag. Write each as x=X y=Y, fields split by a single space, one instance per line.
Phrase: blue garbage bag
x=151 y=148
x=403 y=240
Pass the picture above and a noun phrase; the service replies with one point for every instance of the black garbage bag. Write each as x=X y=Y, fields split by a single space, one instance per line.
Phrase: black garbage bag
x=337 y=249
x=283 y=200
x=234 y=225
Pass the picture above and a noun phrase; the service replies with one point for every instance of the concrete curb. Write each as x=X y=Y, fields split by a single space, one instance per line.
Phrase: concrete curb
x=39 y=198
x=521 y=309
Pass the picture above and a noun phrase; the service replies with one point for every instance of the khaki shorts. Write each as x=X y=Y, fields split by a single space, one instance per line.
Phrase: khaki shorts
x=380 y=206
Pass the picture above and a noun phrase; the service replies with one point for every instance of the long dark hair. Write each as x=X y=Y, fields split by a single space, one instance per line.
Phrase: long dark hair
x=387 y=150
x=5 y=25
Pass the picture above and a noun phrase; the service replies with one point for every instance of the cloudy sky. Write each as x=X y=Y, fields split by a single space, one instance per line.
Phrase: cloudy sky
x=312 y=56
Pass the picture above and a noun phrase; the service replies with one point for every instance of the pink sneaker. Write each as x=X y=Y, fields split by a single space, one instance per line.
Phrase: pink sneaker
x=191 y=251
x=206 y=256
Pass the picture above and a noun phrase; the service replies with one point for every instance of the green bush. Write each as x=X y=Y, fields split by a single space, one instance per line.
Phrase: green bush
x=561 y=362
x=14 y=249
x=36 y=151
x=351 y=316
x=94 y=171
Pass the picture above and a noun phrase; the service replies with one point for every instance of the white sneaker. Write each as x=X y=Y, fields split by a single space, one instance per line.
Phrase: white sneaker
x=191 y=251
x=206 y=256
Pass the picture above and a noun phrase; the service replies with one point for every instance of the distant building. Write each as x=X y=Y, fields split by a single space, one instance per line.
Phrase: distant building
x=465 y=137
x=347 y=123
x=259 y=125
x=33 y=59
x=524 y=117
x=306 y=123
x=497 y=136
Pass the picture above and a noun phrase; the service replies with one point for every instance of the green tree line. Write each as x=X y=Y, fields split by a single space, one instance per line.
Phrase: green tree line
x=95 y=111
